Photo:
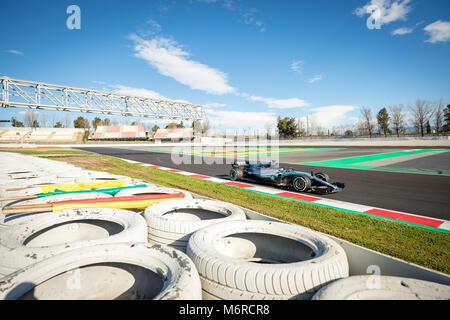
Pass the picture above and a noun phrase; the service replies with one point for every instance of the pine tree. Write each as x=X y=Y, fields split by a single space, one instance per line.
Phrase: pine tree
x=383 y=121
x=16 y=123
x=447 y=118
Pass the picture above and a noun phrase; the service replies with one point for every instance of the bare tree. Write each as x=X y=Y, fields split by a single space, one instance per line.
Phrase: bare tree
x=67 y=120
x=367 y=120
x=206 y=126
x=53 y=119
x=313 y=127
x=30 y=119
x=438 y=117
x=422 y=112
x=301 y=127
x=397 y=118
x=44 y=120
x=268 y=128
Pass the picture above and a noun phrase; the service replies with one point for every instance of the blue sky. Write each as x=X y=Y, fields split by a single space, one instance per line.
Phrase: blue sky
x=246 y=61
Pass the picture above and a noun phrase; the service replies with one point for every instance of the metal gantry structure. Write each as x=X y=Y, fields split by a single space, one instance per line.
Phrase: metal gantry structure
x=37 y=95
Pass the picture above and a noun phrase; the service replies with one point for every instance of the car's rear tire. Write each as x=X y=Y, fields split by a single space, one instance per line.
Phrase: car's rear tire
x=236 y=174
x=301 y=184
x=322 y=176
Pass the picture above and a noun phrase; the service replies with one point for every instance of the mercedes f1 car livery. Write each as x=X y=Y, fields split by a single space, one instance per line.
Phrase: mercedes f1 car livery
x=270 y=173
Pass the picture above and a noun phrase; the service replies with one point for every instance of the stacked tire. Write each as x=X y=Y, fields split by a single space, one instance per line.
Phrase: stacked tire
x=258 y=259
x=173 y=222
x=383 y=288
x=107 y=271
x=152 y=189
x=39 y=238
x=94 y=253
x=85 y=253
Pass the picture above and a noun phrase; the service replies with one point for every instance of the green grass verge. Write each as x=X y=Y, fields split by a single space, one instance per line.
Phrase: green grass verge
x=46 y=152
x=417 y=245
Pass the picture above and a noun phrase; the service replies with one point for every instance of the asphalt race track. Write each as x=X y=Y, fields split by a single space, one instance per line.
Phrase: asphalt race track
x=421 y=194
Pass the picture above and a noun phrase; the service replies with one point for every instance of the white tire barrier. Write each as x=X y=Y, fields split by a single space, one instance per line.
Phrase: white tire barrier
x=35 y=171
x=13 y=183
x=107 y=271
x=173 y=222
x=26 y=243
x=10 y=219
x=19 y=175
x=383 y=288
x=35 y=182
x=6 y=168
x=35 y=189
x=152 y=189
x=73 y=174
x=104 y=176
x=257 y=259
x=59 y=197
x=19 y=193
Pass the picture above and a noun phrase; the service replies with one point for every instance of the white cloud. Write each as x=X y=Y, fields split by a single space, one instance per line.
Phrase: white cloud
x=150 y=28
x=228 y=119
x=154 y=25
x=316 y=78
x=141 y=92
x=17 y=52
x=438 y=31
x=402 y=31
x=281 y=103
x=249 y=18
x=215 y=105
x=330 y=116
x=229 y=4
x=390 y=10
x=296 y=66
x=406 y=30
x=137 y=92
x=169 y=59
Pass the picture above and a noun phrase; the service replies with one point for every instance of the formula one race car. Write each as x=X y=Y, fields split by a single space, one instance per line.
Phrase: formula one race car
x=270 y=173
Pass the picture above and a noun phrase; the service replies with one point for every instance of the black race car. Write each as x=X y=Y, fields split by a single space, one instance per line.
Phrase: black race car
x=270 y=173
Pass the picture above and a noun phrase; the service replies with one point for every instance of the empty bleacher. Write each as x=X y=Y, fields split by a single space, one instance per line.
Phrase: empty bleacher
x=40 y=135
x=64 y=136
x=174 y=134
x=125 y=132
x=13 y=136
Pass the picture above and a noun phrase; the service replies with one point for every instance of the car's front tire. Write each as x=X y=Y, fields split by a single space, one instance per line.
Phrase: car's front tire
x=322 y=176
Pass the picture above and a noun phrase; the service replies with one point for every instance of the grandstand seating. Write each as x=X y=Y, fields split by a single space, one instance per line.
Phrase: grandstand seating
x=40 y=135
x=125 y=132
x=174 y=134
x=12 y=136
x=63 y=136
